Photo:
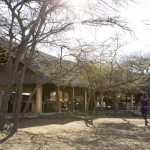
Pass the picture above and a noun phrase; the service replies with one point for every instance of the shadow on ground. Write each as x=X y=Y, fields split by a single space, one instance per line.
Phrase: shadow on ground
x=115 y=136
x=64 y=118
x=26 y=123
x=122 y=135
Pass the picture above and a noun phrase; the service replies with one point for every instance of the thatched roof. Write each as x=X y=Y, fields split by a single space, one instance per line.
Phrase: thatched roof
x=58 y=71
x=43 y=67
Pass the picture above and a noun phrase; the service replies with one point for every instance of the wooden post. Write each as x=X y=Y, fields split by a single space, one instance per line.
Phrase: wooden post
x=39 y=100
x=1 y=96
x=85 y=100
x=94 y=97
x=58 y=99
x=63 y=94
x=73 y=108
x=0 y=100
x=102 y=101
x=132 y=98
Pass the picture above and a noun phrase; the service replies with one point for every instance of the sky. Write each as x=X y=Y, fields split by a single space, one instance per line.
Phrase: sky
x=136 y=14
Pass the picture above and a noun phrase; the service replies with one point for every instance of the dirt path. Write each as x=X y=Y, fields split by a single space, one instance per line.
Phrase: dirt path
x=66 y=134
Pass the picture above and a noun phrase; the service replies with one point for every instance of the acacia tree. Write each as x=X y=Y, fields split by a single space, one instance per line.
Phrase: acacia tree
x=140 y=66
x=104 y=72
x=98 y=70
x=96 y=17
x=25 y=24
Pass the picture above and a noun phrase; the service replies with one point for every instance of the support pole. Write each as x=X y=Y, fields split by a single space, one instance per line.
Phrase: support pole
x=73 y=107
x=58 y=99
x=85 y=100
x=2 y=93
x=132 y=98
x=1 y=97
x=39 y=100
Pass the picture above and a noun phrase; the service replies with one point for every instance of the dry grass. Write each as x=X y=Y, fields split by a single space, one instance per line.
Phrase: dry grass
x=70 y=134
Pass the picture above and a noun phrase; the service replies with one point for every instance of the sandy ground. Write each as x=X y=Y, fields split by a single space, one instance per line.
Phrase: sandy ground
x=70 y=134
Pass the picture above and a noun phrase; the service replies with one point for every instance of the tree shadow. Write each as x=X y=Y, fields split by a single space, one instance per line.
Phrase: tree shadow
x=59 y=119
x=8 y=133
x=114 y=135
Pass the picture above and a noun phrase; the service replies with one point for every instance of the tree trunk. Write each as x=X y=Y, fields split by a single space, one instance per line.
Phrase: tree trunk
x=4 y=107
x=16 y=112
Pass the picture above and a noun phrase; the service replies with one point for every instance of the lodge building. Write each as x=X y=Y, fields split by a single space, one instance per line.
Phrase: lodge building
x=55 y=95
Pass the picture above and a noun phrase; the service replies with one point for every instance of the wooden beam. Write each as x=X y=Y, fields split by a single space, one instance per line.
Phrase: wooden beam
x=85 y=100
x=58 y=98
x=39 y=100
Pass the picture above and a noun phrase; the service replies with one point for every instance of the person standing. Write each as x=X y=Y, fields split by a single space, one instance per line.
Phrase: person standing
x=144 y=107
